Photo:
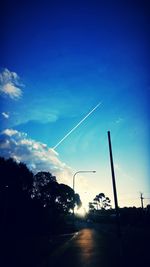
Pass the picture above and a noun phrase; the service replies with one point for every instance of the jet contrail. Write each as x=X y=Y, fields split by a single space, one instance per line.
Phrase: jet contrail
x=75 y=127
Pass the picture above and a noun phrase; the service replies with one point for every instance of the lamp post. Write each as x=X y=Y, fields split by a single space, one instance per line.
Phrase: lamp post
x=74 y=181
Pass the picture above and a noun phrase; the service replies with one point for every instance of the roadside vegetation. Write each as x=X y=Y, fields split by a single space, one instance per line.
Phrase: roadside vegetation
x=34 y=209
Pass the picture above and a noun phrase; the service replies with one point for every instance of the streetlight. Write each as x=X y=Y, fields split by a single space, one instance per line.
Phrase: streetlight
x=74 y=182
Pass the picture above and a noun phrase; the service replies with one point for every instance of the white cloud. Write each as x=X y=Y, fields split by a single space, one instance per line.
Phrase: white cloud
x=11 y=90
x=5 y=115
x=37 y=156
x=9 y=84
x=7 y=76
x=10 y=132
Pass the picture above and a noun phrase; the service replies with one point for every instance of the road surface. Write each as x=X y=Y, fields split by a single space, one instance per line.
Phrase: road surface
x=88 y=248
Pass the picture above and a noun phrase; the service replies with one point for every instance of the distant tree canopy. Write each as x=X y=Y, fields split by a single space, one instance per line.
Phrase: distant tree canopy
x=100 y=202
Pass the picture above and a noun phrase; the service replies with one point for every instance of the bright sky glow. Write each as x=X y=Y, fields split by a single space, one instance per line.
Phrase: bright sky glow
x=81 y=212
x=58 y=60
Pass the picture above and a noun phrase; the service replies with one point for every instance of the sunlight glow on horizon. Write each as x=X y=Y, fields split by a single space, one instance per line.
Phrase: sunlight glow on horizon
x=81 y=212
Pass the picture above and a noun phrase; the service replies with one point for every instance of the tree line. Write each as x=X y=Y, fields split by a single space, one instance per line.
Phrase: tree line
x=33 y=202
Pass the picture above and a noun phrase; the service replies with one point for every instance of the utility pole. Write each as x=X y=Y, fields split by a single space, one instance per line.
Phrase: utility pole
x=141 y=197
x=114 y=186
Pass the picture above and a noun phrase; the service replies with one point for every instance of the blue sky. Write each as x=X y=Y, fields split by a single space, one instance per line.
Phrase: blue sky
x=65 y=58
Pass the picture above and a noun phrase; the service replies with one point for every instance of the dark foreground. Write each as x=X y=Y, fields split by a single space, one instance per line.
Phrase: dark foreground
x=92 y=246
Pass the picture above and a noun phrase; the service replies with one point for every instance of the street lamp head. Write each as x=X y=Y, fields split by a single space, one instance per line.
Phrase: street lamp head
x=94 y=171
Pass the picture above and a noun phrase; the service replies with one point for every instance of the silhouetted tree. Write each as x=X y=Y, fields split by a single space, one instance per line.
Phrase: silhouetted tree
x=32 y=203
x=91 y=206
x=15 y=175
x=45 y=187
x=101 y=202
x=16 y=183
x=54 y=195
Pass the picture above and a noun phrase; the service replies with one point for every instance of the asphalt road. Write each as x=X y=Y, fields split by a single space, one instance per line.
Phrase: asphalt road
x=88 y=248
x=95 y=245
